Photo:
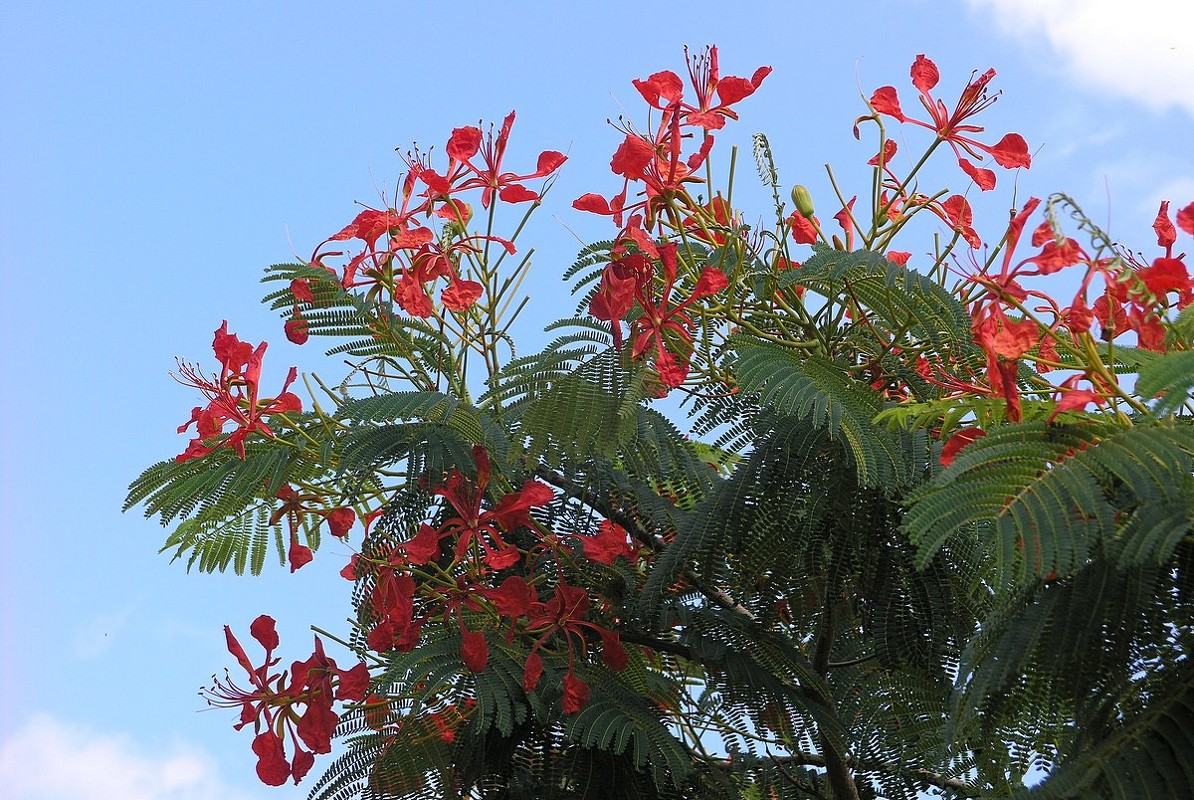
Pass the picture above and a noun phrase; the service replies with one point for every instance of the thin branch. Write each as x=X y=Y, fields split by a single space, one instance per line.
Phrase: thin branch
x=803 y=759
x=850 y=662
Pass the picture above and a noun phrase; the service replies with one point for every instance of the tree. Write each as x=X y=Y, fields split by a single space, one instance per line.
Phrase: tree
x=898 y=554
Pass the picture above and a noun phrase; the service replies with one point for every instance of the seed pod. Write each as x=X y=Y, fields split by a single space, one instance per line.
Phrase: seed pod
x=803 y=201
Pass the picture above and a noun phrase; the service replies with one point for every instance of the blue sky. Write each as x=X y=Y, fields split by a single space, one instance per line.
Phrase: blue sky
x=155 y=157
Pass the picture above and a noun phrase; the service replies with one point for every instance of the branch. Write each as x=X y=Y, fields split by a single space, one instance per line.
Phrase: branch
x=802 y=759
x=850 y=662
x=804 y=787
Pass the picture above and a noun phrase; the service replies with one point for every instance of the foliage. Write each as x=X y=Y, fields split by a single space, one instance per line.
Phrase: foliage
x=932 y=531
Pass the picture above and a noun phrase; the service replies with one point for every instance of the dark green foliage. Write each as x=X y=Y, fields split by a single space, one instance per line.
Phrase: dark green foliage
x=816 y=596
x=1171 y=377
x=823 y=391
x=1046 y=496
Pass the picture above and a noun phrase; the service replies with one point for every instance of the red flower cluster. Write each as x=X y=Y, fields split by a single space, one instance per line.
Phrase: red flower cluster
x=631 y=278
x=474 y=525
x=1009 y=152
x=412 y=255
x=657 y=161
x=271 y=703
x=1136 y=299
x=403 y=598
x=1139 y=305
x=232 y=397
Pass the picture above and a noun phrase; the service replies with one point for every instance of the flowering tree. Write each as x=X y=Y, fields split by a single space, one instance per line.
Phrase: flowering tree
x=932 y=528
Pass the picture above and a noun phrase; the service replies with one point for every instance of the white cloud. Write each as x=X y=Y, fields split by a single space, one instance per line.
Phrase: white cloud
x=1141 y=49
x=47 y=759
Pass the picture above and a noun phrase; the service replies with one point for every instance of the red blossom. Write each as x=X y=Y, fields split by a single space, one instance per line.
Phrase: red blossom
x=711 y=221
x=885 y=155
x=576 y=693
x=340 y=521
x=1185 y=219
x=473 y=650
x=461 y=295
x=512 y=598
x=467 y=142
x=1056 y=255
x=804 y=229
x=1070 y=397
x=705 y=75
x=1166 y=275
x=610 y=542
x=301 y=289
x=615 y=294
x=613 y=654
x=1079 y=316
x=233 y=397
x=272 y=767
x=957 y=212
x=957 y=441
x=272 y=704
x=566 y=613
x=472 y=524
x=350 y=570
x=532 y=672
x=662 y=323
x=296 y=328
x=1166 y=233
x=952 y=127
x=299 y=555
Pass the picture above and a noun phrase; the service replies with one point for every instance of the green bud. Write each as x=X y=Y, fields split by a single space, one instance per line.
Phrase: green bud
x=803 y=201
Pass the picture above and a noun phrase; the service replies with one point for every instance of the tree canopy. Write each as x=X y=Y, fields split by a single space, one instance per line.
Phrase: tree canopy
x=922 y=524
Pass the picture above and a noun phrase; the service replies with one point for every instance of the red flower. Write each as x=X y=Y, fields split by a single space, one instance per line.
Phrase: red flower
x=465 y=143
x=615 y=294
x=301 y=289
x=1166 y=233
x=473 y=650
x=461 y=295
x=512 y=598
x=609 y=543
x=532 y=672
x=1185 y=219
x=706 y=80
x=576 y=693
x=565 y=613
x=804 y=229
x=273 y=708
x=317 y=682
x=1009 y=152
x=664 y=90
x=658 y=319
x=656 y=160
x=1166 y=275
x=340 y=521
x=957 y=212
x=472 y=524
x=958 y=441
x=714 y=218
x=232 y=397
x=1070 y=397
x=296 y=328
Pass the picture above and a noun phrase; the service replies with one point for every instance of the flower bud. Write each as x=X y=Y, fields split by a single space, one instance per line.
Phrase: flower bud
x=803 y=200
